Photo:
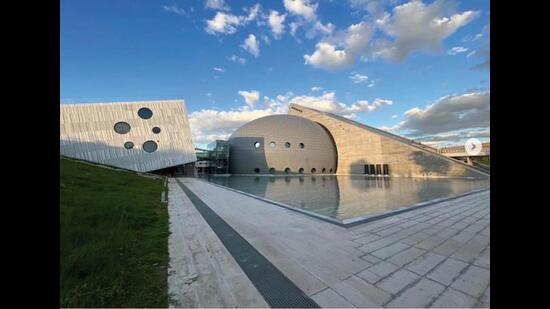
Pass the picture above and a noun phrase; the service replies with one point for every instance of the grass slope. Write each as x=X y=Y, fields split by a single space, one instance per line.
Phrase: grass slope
x=114 y=238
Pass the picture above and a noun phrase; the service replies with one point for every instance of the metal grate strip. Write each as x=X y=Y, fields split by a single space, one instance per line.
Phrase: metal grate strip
x=277 y=290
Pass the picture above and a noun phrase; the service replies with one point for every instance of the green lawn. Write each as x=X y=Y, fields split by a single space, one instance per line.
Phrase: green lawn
x=114 y=238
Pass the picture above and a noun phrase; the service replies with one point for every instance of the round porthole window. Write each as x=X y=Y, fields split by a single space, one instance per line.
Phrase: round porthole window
x=313 y=170
x=150 y=146
x=287 y=170
x=324 y=170
x=145 y=113
x=330 y=170
x=287 y=145
x=256 y=170
x=272 y=145
x=128 y=145
x=272 y=170
x=156 y=130
x=122 y=127
x=257 y=145
x=301 y=170
x=302 y=145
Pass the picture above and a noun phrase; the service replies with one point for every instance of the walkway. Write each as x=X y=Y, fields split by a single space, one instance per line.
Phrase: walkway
x=435 y=256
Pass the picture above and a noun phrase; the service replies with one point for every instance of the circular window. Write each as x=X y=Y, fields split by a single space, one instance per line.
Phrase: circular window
x=145 y=113
x=128 y=145
x=330 y=170
x=156 y=130
x=272 y=144
x=301 y=170
x=122 y=127
x=324 y=170
x=302 y=145
x=272 y=170
x=257 y=145
x=150 y=146
x=256 y=170
x=287 y=145
x=287 y=170
x=313 y=170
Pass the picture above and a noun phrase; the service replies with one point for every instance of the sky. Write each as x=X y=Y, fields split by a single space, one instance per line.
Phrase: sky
x=419 y=69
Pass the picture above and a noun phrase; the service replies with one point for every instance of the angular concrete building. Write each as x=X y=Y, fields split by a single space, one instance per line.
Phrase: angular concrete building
x=309 y=141
x=139 y=136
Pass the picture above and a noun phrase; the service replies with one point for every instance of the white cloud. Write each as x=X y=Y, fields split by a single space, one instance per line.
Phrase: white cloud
x=375 y=7
x=293 y=27
x=217 y=5
x=457 y=50
x=223 y=23
x=357 y=78
x=235 y=58
x=394 y=116
x=326 y=56
x=315 y=88
x=371 y=84
x=219 y=69
x=252 y=45
x=416 y=26
x=174 y=9
x=342 y=49
x=276 y=22
x=450 y=113
x=208 y=125
x=303 y=8
x=473 y=52
x=250 y=97
x=227 y=23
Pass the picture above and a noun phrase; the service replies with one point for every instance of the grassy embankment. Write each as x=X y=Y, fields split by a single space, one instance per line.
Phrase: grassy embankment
x=114 y=238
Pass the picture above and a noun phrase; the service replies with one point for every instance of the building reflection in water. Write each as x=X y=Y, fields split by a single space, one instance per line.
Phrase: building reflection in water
x=344 y=197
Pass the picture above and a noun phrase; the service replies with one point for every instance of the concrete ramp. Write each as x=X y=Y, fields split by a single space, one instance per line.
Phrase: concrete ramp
x=359 y=145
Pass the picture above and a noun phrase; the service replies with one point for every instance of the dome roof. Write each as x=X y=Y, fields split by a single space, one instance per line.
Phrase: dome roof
x=282 y=144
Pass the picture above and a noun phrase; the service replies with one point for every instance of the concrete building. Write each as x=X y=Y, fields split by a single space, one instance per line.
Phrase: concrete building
x=310 y=141
x=281 y=144
x=140 y=136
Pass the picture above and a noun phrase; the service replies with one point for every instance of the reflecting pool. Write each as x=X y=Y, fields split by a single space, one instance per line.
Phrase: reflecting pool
x=346 y=197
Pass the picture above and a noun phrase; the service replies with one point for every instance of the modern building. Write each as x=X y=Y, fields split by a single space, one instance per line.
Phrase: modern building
x=308 y=141
x=214 y=159
x=140 y=136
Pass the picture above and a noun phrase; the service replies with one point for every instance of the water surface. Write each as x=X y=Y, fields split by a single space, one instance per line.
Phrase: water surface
x=346 y=197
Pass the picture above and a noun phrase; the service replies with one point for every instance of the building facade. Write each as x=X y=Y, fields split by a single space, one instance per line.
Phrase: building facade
x=140 y=136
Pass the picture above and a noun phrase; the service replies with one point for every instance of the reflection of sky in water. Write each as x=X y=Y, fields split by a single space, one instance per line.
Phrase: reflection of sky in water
x=345 y=197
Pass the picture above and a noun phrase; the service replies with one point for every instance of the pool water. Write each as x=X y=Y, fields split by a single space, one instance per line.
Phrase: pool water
x=346 y=197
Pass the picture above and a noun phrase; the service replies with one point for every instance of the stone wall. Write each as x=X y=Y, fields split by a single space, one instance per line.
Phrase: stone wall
x=358 y=145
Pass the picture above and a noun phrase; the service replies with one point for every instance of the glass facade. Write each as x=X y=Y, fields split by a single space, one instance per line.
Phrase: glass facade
x=214 y=159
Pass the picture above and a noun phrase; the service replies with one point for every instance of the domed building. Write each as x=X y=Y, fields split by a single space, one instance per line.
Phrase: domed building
x=282 y=144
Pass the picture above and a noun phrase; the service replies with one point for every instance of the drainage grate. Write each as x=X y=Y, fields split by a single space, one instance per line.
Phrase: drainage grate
x=277 y=290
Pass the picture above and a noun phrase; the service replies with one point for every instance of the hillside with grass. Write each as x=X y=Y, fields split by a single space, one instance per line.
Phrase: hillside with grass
x=114 y=238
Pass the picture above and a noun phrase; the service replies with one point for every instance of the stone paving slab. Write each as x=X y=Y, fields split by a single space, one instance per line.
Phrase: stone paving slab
x=437 y=256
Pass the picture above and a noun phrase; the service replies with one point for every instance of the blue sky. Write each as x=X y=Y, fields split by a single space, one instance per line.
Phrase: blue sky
x=416 y=68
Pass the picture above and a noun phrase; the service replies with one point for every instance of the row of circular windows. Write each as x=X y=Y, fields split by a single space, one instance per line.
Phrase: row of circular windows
x=122 y=127
x=148 y=146
x=288 y=170
x=273 y=145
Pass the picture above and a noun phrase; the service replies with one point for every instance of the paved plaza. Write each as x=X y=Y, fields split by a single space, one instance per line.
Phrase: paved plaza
x=436 y=256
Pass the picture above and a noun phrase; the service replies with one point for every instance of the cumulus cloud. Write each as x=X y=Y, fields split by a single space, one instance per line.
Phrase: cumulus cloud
x=252 y=45
x=342 y=49
x=303 y=8
x=357 y=78
x=217 y=5
x=306 y=13
x=416 y=26
x=316 y=88
x=250 y=97
x=276 y=22
x=208 y=125
x=457 y=50
x=237 y=59
x=450 y=113
x=227 y=23
x=217 y=69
